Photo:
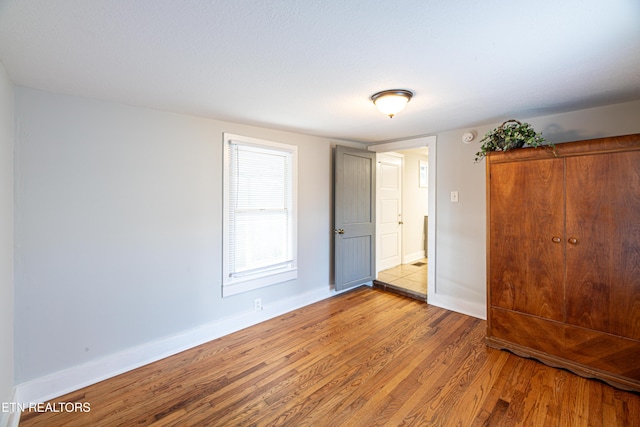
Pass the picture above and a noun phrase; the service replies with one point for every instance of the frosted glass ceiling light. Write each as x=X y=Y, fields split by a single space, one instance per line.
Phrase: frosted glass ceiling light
x=390 y=102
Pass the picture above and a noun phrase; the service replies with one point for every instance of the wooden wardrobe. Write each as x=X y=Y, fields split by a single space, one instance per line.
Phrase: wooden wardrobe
x=563 y=256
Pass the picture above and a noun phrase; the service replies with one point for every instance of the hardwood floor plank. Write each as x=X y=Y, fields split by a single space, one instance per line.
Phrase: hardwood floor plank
x=368 y=367
x=367 y=392
x=446 y=358
x=310 y=377
x=493 y=407
x=474 y=394
x=574 y=402
x=596 y=406
x=453 y=379
x=363 y=358
x=538 y=396
x=555 y=408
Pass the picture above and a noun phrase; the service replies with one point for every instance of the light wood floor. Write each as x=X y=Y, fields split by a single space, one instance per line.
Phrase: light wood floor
x=364 y=358
x=411 y=277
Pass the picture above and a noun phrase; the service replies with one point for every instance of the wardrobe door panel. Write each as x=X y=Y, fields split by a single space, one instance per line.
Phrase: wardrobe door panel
x=526 y=265
x=603 y=242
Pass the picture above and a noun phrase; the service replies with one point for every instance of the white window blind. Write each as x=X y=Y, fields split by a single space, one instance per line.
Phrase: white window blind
x=260 y=213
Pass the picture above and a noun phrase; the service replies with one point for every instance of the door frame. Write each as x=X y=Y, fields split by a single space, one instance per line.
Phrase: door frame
x=407 y=144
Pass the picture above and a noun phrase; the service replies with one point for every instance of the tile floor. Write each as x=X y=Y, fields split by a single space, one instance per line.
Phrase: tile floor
x=407 y=276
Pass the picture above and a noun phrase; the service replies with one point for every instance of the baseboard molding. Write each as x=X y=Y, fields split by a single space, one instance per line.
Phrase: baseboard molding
x=458 y=305
x=409 y=258
x=59 y=383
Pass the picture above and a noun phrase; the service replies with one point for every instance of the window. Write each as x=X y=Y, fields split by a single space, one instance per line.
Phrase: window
x=259 y=224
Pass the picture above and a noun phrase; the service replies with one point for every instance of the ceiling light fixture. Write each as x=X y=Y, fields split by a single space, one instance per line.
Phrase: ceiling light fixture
x=390 y=102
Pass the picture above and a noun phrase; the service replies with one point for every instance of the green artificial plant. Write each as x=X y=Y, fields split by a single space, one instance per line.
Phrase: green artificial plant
x=510 y=134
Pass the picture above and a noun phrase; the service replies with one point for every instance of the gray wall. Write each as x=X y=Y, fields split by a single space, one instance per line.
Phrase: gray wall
x=118 y=227
x=6 y=237
x=460 y=239
x=118 y=223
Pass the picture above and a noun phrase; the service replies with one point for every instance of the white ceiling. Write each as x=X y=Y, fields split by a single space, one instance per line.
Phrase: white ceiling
x=310 y=65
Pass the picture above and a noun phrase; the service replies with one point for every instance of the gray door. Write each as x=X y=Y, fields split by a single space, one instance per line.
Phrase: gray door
x=354 y=216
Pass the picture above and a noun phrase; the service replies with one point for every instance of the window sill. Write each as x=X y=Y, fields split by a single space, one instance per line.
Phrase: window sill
x=238 y=286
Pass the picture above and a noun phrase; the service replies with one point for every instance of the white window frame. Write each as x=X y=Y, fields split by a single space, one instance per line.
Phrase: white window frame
x=235 y=284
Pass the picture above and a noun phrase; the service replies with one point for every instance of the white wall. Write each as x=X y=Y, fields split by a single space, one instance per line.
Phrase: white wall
x=118 y=229
x=6 y=239
x=460 y=239
x=415 y=207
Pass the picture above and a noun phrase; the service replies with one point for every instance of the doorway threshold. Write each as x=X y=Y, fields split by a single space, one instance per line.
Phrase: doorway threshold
x=377 y=284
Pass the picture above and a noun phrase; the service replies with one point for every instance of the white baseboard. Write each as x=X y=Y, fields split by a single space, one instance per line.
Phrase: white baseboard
x=409 y=258
x=458 y=305
x=68 y=380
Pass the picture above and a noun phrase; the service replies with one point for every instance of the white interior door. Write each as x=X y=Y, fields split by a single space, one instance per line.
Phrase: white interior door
x=389 y=210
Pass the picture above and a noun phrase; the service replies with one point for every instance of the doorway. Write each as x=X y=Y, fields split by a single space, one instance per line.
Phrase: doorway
x=402 y=229
x=405 y=230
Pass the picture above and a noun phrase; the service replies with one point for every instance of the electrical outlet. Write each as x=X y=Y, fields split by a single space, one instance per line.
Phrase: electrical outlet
x=454 y=197
x=257 y=304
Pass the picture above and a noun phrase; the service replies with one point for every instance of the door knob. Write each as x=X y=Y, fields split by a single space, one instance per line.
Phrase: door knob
x=400 y=222
x=556 y=239
x=338 y=231
x=573 y=240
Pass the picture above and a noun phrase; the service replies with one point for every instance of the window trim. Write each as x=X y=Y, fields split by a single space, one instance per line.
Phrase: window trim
x=247 y=282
